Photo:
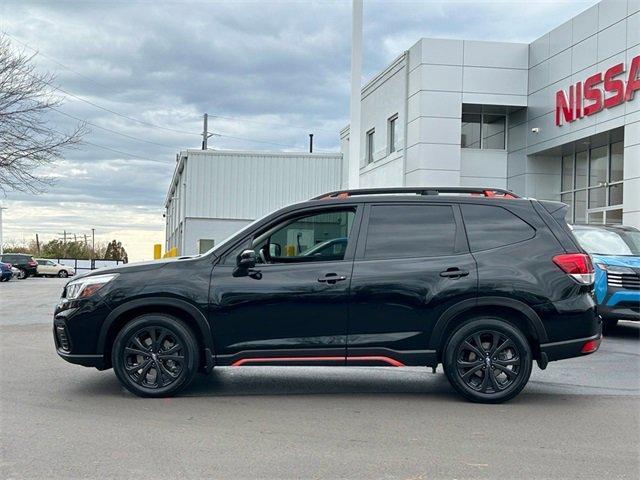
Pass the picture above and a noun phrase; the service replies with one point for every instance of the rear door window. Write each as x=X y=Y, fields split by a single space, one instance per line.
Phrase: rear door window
x=490 y=226
x=396 y=231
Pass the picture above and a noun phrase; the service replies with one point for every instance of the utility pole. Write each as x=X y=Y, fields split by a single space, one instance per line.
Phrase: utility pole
x=355 y=103
x=311 y=143
x=205 y=132
x=93 y=243
x=38 y=244
x=1 y=247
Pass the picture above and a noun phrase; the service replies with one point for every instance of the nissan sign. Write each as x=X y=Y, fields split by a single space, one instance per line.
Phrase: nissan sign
x=602 y=90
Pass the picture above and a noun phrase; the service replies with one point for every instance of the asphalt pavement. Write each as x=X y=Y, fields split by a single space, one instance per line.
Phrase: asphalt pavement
x=580 y=418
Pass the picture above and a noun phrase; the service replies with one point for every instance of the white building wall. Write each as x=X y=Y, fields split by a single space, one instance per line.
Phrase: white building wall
x=382 y=98
x=600 y=37
x=444 y=74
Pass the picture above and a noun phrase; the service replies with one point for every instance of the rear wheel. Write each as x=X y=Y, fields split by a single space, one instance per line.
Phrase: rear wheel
x=22 y=274
x=155 y=355
x=488 y=360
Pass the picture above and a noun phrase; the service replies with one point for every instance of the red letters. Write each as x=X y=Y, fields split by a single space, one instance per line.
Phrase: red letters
x=598 y=91
x=565 y=107
x=633 y=83
x=593 y=93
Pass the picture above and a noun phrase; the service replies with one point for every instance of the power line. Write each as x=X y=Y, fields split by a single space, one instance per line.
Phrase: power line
x=114 y=131
x=153 y=125
x=57 y=62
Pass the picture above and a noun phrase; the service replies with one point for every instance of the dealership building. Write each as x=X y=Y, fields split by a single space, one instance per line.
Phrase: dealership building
x=556 y=119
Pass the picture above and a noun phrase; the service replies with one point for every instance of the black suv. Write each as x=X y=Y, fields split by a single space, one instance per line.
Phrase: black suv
x=25 y=263
x=479 y=280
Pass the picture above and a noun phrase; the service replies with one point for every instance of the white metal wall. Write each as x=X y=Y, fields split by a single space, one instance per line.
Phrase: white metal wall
x=247 y=185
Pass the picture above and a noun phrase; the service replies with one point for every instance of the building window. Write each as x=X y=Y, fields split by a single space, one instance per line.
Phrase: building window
x=592 y=184
x=471 y=130
x=370 y=146
x=393 y=125
x=483 y=127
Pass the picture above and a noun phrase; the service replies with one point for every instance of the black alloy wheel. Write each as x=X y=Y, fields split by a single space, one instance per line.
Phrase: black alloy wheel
x=155 y=355
x=488 y=360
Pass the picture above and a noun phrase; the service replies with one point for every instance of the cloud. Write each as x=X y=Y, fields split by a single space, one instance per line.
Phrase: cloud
x=280 y=69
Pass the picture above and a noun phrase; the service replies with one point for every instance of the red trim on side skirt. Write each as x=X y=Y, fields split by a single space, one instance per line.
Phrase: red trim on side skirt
x=376 y=358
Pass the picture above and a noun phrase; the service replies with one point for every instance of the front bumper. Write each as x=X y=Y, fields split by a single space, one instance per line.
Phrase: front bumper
x=621 y=305
x=75 y=332
x=96 y=361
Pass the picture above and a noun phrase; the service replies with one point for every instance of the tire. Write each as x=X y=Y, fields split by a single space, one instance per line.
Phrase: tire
x=609 y=325
x=22 y=275
x=479 y=376
x=172 y=372
x=63 y=274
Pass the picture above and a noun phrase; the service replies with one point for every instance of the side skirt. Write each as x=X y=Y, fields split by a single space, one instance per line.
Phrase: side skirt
x=329 y=357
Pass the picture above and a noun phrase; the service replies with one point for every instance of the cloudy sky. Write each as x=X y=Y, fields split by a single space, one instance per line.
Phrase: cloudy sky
x=267 y=72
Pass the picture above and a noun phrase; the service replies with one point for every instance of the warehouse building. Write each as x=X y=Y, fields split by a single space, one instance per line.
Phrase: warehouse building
x=214 y=193
x=555 y=119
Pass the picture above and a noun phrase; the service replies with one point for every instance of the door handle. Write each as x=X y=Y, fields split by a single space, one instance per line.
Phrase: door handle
x=454 y=272
x=332 y=278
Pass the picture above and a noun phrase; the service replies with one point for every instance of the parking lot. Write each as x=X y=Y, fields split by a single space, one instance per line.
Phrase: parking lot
x=579 y=418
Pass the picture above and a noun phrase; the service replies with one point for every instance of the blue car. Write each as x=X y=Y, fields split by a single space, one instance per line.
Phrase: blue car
x=5 y=272
x=615 y=251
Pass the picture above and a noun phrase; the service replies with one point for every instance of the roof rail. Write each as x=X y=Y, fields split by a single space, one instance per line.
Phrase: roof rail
x=489 y=192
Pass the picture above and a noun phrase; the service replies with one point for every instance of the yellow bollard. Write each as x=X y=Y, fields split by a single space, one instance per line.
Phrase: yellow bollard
x=157 y=251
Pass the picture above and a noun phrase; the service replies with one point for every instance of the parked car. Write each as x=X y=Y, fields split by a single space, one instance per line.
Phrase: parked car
x=615 y=250
x=51 y=268
x=483 y=283
x=22 y=261
x=6 y=273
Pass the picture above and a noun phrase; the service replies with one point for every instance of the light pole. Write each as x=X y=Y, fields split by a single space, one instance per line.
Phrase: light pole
x=1 y=241
x=356 y=86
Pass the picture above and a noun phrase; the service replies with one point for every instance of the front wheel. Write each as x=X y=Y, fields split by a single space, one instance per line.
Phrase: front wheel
x=155 y=355
x=63 y=274
x=488 y=360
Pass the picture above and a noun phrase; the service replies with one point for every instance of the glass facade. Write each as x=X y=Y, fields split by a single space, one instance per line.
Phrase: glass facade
x=592 y=184
x=484 y=127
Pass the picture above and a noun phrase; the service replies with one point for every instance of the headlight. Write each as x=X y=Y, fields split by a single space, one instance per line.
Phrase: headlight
x=615 y=269
x=85 y=287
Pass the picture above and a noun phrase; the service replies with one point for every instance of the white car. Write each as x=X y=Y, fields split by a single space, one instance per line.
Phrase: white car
x=50 y=268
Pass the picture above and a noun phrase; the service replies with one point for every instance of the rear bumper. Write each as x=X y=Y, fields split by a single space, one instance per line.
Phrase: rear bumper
x=569 y=348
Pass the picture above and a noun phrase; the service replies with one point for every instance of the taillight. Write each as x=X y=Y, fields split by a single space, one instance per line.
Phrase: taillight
x=577 y=265
x=591 y=346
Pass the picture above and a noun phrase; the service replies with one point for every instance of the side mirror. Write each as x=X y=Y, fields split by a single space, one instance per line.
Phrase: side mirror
x=247 y=259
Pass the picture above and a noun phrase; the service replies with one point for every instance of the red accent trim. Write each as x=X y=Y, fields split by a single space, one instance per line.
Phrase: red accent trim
x=379 y=358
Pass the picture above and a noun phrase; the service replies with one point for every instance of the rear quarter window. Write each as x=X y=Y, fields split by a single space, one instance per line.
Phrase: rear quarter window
x=490 y=226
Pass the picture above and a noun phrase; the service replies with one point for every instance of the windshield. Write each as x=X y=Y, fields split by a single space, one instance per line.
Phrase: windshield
x=608 y=242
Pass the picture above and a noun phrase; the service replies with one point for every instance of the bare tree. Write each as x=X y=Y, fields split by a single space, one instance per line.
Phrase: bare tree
x=27 y=142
